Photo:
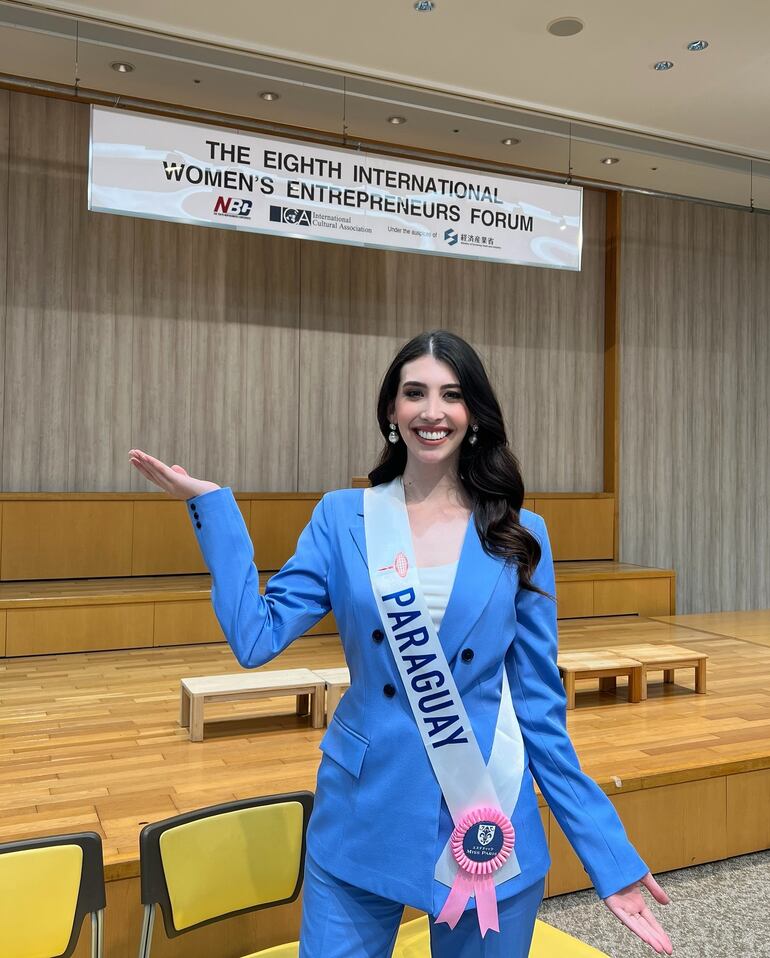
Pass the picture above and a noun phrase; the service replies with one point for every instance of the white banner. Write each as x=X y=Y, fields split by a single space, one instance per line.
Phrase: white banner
x=171 y=170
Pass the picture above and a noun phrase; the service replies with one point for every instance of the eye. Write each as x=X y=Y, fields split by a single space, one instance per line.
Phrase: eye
x=410 y=393
x=454 y=395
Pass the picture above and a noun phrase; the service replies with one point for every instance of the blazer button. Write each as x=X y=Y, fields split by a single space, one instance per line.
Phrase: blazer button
x=192 y=506
x=198 y=524
x=466 y=655
x=378 y=635
x=389 y=690
x=195 y=515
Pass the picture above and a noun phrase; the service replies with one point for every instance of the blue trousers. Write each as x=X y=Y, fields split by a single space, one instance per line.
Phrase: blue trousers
x=342 y=921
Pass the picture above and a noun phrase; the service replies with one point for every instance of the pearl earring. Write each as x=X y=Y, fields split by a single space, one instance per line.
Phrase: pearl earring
x=393 y=436
x=473 y=438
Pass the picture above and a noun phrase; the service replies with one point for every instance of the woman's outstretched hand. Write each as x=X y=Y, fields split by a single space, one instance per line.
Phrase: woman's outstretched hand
x=629 y=906
x=171 y=479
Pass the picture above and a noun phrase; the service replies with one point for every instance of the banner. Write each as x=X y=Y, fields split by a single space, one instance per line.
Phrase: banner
x=189 y=173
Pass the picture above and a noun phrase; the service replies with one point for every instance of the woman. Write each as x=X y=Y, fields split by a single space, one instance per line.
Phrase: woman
x=425 y=790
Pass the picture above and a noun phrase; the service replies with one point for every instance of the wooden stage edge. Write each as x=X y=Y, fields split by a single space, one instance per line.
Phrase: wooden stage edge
x=91 y=741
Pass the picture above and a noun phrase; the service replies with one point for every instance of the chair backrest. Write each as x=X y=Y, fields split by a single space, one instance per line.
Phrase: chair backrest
x=224 y=860
x=47 y=886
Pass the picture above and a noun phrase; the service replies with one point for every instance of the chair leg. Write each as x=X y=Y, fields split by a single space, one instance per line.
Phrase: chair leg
x=668 y=676
x=608 y=683
x=303 y=704
x=700 y=677
x=145 y=942
x=635 y=685
x=97 y=934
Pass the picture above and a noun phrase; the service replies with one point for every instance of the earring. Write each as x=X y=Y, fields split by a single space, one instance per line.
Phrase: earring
x=393 y=436
x=473 y=438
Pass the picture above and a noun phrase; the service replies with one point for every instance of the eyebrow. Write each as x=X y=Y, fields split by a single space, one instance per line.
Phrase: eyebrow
x=445 y=386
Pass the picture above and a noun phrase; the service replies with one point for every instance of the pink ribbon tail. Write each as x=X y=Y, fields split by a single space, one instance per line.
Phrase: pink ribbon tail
x=486 y=904
x=462 y=889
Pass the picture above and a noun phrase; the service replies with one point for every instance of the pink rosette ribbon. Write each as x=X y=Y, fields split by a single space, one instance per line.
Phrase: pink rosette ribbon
x=481 y=843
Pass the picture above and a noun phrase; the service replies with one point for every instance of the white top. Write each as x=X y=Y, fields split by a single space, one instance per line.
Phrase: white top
x=436 y=582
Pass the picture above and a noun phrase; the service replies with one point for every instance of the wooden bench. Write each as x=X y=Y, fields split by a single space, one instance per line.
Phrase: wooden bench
x=667 y=658
x=336 y=681
x=602 y=664
x=196 y=692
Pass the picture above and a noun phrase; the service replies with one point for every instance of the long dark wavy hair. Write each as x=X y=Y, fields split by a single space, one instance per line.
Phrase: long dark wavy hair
x=488 y=470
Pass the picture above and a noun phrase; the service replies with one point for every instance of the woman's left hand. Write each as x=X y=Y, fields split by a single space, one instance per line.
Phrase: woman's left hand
x=628 y=906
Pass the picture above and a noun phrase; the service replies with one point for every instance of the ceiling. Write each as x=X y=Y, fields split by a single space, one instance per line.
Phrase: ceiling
x=464 y=77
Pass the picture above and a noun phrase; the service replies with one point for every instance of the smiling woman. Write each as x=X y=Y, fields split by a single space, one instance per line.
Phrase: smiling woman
x=442 y=587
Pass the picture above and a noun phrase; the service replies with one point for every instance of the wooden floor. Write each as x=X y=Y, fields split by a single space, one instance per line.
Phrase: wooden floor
x=92 y=741
x=752 y=626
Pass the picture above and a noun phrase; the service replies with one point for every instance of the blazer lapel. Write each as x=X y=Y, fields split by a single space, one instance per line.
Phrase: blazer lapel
x=475 y=581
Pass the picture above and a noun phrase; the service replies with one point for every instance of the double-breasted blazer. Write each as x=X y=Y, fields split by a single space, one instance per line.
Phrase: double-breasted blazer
x=379 y=820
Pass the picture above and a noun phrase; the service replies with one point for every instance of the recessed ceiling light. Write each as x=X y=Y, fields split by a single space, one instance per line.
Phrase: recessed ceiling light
x=123 y=67
x=664 y=65
x=695 y=46
x=396 y=120
x=610 y=160
x=456 y=130
x=424 y=6
x=196 y=81
x=510 y=141
x=653 y=169
x=270 y=96
x=565 y=27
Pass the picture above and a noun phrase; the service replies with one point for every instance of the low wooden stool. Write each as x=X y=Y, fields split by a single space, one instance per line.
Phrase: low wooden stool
x=602 y=664
x=667 y=658
x=196 y=692
x=336 y=681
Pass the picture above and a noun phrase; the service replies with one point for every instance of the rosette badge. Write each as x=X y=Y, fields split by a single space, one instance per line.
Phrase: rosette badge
x=481 y=843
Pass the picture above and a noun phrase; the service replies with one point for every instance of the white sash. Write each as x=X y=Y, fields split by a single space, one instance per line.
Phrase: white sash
x=465 y=781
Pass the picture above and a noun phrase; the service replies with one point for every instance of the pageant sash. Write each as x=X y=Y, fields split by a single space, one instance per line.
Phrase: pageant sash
x=480 y=852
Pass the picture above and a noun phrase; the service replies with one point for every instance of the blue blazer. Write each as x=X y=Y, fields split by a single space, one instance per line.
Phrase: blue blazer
x=379 y=821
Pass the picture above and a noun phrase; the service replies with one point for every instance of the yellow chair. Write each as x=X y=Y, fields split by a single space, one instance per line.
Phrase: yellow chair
x=47 y=887
x=547 y=942
x=225 y=860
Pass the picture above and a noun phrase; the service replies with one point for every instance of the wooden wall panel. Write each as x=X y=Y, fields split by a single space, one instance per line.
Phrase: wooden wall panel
x=39 y=294
x=78 y=629
x=273 y=366
x=546 y=356
x=218 y=347
x=254 y=360
x=55 y=539
x=324 y=368
x=694 y=451
x=274 y=530
x=671 y=827
x=163 y=541
x=101 y=370
x=375 y=338
x=161 y=421
x=2 y=632
x=579 y=528
x=5 y=100
x=186 y=623
x=748 y=830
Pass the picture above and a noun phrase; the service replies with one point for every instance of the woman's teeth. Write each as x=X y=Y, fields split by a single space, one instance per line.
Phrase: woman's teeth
x=432 y=435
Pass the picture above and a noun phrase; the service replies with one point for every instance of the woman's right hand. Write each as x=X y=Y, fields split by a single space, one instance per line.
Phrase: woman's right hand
x=171 y=479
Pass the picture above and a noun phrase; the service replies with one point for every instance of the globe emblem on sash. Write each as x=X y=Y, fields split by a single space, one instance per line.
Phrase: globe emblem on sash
x=401 y=564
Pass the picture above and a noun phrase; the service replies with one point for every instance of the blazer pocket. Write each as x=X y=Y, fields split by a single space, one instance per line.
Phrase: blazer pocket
x=345 y=746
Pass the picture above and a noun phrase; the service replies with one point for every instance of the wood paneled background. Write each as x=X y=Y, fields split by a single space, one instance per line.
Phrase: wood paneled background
x=695 y=367
x=252 y=360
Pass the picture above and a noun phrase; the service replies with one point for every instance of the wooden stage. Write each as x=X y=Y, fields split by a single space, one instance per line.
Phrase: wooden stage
x=91 y=741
